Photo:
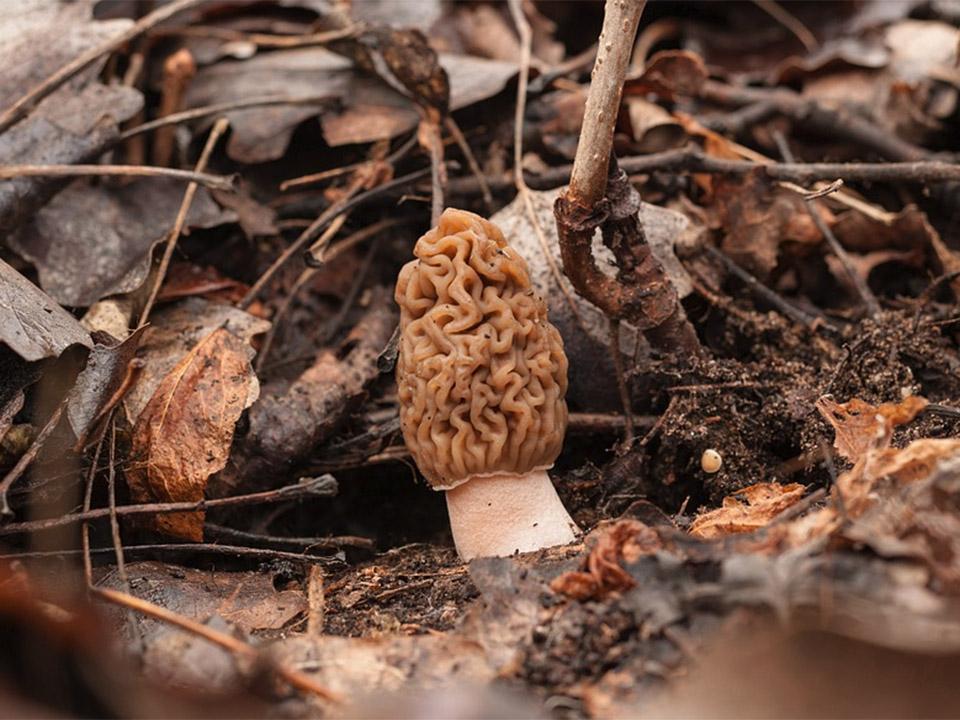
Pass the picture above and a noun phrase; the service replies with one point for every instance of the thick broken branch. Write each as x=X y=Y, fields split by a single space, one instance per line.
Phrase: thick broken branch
x=600 y=196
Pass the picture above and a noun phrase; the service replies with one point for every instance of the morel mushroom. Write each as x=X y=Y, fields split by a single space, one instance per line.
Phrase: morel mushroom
x=481 y=379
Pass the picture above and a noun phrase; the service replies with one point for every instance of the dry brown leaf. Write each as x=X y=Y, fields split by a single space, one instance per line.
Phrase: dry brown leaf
x=602 y=573
x=763 y=502
x=669 y=74
x=861 y=427
x=183 y=435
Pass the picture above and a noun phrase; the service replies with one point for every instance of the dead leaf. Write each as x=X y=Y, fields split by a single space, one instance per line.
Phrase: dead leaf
x=861 y=427
x=761 y=504
x=758 y=218
x=106 y=375
x=369 y=110
x=670 y=74
x=602 y=573
x=184 y=433
x=920 y=520
x=31 y=323
x=174 y=331
x=92 y=241
x=75 y=123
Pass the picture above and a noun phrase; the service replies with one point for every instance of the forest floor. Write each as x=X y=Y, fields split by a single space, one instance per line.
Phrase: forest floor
x=208 y=506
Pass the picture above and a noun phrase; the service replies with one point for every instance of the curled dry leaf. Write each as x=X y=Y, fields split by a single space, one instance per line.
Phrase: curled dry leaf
x=31 y=323
x=761 y=504
x=183 y=435
x=603 y=573
x=100 y=386
x=75 y=123
x=669 y=74
x=860 y=426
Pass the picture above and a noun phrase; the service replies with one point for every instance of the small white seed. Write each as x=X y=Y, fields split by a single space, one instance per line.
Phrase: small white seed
x=711 y=461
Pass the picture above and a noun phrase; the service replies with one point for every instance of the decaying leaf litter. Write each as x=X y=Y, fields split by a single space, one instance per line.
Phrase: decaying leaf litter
x=201 y=454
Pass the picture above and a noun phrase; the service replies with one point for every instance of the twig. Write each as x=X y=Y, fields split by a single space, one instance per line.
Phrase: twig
x=112 y=501
x=343 y=170
x=24 y=462
x=260 y=554
x=792 y=312
x=333 y=326
x=316 y=601
x=428 y=134
x=457 y=135
x=305 y=275
x=588 y=179
x=317 y=226
x=526 y=41
x=324 y=486
x=219 y=109
x=692 y=159
x=238 y=647
x=600 y=195
x=813 y=208
x=219 y=128
x=790 y=22
x=836 y=123
x=27 y=102
x=85 y=527
x=214 y=182
x=335 y=542
x=265 y=40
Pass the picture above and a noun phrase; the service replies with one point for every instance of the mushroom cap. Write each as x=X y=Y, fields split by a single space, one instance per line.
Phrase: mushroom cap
x=481 y=375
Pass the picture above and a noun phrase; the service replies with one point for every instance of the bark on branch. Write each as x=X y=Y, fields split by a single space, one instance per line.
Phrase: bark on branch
x=600 y=196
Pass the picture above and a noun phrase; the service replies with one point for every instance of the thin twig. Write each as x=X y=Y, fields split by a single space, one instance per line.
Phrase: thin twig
x=219 y=109
x=214 y=182
x=27 y=102
x=693 y=159
x=238 y=647
x=265 y=40
x=353 y=293
x=790 y=22
x=317 y=226
x=24 y=462
x=324 y=486
x=261 y=554
x=334 y=542
x=112 y=506
x=219 y=128
x=794 y=313
x=336 y=172
x=429 y=136
x=85 y=527
x=471 y=159
x=305 y=275
x=813 y=208
x=526 y=42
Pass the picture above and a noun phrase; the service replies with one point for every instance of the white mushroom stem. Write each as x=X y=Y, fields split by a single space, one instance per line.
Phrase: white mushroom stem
x=498 y=515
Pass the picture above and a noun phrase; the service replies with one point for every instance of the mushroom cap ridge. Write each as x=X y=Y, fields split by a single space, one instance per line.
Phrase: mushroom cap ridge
x=481 y=374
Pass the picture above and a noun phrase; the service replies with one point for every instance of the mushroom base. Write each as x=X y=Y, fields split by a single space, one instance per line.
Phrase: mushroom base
x=498 y=515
